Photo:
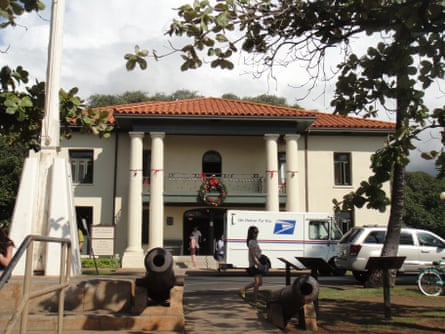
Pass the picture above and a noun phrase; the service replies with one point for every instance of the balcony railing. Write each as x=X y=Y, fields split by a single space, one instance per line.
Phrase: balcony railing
x=183 y=183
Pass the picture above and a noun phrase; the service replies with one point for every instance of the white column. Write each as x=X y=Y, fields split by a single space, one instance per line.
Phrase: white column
x=156 y=222
x=272 y=198
x=133 y=256
x=292 y=176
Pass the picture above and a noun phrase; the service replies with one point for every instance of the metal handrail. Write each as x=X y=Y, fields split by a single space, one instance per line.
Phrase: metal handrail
x=27 y=296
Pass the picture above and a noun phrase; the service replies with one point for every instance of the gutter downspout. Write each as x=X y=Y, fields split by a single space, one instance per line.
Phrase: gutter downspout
x=306 y=171
x=116 y=149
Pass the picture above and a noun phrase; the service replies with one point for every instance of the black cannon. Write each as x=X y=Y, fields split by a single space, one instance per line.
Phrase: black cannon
x=292 y=301
x=160 y=277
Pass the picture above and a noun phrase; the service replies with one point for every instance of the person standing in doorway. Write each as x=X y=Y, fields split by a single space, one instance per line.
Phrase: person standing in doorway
x=198 y=238
x=219 y=252
x=255 y=266
x=192 y=249
x=81 y=239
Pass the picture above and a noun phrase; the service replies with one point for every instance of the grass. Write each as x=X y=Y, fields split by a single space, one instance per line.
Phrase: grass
x=105 y=265
x=354 y=294
x=338 y=294
x=422 y=315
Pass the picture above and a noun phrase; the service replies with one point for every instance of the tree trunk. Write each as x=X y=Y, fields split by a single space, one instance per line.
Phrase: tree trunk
x=391 y=245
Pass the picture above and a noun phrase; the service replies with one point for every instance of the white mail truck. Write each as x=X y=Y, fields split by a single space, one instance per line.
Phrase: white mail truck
x=281 y=235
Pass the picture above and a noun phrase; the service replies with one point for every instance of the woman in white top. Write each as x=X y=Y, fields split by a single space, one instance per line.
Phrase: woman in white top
x=255 y=266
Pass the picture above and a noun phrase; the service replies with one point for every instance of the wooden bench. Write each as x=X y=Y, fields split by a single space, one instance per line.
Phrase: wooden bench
x=315 y=264
x=289 y=265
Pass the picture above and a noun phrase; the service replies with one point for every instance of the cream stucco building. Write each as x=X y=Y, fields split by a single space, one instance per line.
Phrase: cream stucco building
x=140 y=188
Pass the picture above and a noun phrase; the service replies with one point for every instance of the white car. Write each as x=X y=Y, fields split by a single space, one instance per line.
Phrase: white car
x=420 y=247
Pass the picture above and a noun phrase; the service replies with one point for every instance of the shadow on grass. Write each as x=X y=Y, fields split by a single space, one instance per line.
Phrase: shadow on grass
x=349 y=316
x=416 y=314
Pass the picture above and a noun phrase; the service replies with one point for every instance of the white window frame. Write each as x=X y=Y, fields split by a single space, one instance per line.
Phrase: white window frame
x=80 y=166
x=342 y=169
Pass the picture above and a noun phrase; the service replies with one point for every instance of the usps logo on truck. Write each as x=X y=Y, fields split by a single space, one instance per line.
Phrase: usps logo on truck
x=283 y=226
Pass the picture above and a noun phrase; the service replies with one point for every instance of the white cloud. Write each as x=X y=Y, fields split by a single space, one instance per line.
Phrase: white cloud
x=98 y=33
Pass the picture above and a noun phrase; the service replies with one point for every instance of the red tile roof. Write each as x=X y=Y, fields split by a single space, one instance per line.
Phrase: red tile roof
x=211 y=107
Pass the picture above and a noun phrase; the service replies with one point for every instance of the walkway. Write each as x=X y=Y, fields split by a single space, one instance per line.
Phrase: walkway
x=219 y=311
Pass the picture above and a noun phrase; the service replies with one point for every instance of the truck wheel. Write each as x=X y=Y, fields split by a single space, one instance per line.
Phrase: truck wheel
x=361 y=276
x=325 y=272
x=333 y=271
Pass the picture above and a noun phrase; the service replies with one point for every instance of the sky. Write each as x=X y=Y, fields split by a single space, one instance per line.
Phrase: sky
x=98 y=33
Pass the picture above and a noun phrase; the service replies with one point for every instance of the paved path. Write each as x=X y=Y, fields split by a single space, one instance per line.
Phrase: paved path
x=217 y=311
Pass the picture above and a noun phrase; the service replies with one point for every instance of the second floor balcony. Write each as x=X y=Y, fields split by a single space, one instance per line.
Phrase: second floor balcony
x=241 y=188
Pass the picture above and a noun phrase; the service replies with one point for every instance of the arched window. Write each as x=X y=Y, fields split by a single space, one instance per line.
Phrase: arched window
x=211 y=163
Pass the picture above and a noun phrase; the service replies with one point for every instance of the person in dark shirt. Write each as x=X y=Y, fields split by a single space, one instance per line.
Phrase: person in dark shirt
x=6 y=247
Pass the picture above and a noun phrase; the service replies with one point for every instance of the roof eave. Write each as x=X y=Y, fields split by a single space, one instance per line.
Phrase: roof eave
x=219 y=117
x=351 y=130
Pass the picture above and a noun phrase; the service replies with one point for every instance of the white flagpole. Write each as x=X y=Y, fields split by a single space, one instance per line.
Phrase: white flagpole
x=50 y=134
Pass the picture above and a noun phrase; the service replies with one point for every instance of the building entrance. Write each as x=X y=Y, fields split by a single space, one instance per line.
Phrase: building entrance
x=84 y=215
x=210 y=222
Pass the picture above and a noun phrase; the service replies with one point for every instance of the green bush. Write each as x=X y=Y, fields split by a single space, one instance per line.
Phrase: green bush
x=102 y=262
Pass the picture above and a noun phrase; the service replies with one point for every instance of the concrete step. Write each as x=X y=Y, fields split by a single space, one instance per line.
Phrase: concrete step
x=95 y=304
x=184 y=263
x=103 y=302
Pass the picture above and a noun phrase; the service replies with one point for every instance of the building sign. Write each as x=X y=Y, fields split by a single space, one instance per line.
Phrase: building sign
x=103 y=240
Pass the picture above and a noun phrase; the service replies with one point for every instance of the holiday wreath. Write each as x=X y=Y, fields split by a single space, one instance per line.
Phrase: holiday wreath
x=213 y=191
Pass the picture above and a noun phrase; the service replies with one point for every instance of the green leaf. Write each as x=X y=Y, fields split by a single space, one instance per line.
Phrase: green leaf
x=131 y=64
x=26 y=102
x=142 y=63
x=40 y=5
x=222 y=20
x=221 y=38
x=5 y=14
x=17 y=8
x=4 y=4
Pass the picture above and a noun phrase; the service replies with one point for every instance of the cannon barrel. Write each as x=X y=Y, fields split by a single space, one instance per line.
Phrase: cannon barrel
x=160 y=276
x=288 y=302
